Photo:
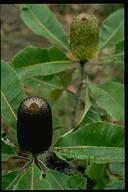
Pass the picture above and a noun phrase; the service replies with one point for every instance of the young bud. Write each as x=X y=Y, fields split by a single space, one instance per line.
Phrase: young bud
x=84 y=37
x=34 y=125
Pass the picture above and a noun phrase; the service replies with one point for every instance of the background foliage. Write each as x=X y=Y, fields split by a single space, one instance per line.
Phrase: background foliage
x=96 y=145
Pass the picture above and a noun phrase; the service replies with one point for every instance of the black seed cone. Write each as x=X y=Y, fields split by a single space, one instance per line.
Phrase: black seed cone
x=34 y=125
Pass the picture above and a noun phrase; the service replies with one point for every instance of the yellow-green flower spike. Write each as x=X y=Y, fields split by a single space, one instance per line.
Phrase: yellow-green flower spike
x=84 y=37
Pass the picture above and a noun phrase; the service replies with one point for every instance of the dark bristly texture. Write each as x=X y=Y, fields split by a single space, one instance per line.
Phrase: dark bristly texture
x=52 y=161
x=34 y=125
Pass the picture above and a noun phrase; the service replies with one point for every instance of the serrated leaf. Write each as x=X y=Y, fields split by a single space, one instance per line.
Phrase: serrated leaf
x=33 y=61
x=112 y=30
x=94 y=134
x=12 y=93
x=95 y=154
x=44 y=23
x=110 y=97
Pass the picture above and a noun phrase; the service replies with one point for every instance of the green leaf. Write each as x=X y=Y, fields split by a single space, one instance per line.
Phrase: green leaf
x=120 y=47
x=92 y=114
x=112 y=30
x=46 y=68
x=30 y=179
x=110 y=97
x=33 y=61
x=60 y=181
x=94 y=134
x=7 y=151
x=12 y=93
x=86 y=107
x=8 y=178
x=44 y=23
x=35 y=55
x=118 y=168
x=117 y=57
x=115 y=184
x=52 y=81
x=97 y=173
x=95 y=154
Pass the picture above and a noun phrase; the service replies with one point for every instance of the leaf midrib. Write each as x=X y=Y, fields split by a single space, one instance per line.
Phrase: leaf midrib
x=111 y=36
x=45 y=63
x=6 y=101
x=61 y=187
x=39 y=22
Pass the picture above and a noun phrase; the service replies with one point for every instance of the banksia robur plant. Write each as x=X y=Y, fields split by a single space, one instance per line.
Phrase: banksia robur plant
x=84 y=37
x=34 y=125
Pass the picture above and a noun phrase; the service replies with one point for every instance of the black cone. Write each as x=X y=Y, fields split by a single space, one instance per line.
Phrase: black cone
x=34 y=125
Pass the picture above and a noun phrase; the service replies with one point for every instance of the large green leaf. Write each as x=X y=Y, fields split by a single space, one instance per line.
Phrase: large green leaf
x=12 y=93
x=94 y=134
x=7 y=151
x=46 y=68
x=8 y=178
x=43 y=22
x=33 y=61
x=94 y=154
x=35 y=55
x=112 y=30
x=110 y=97
x=60 y=181
x=52 y=81
x=30 y=179
x=97 y=173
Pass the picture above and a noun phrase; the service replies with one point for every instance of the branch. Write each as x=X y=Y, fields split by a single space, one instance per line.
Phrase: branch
x=77 y=96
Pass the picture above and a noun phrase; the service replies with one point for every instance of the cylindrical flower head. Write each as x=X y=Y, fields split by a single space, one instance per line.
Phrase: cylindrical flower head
x=84 y=37
x=34 y=125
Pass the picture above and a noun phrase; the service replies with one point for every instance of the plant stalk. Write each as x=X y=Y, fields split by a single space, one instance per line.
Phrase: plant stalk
x=77 y=96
